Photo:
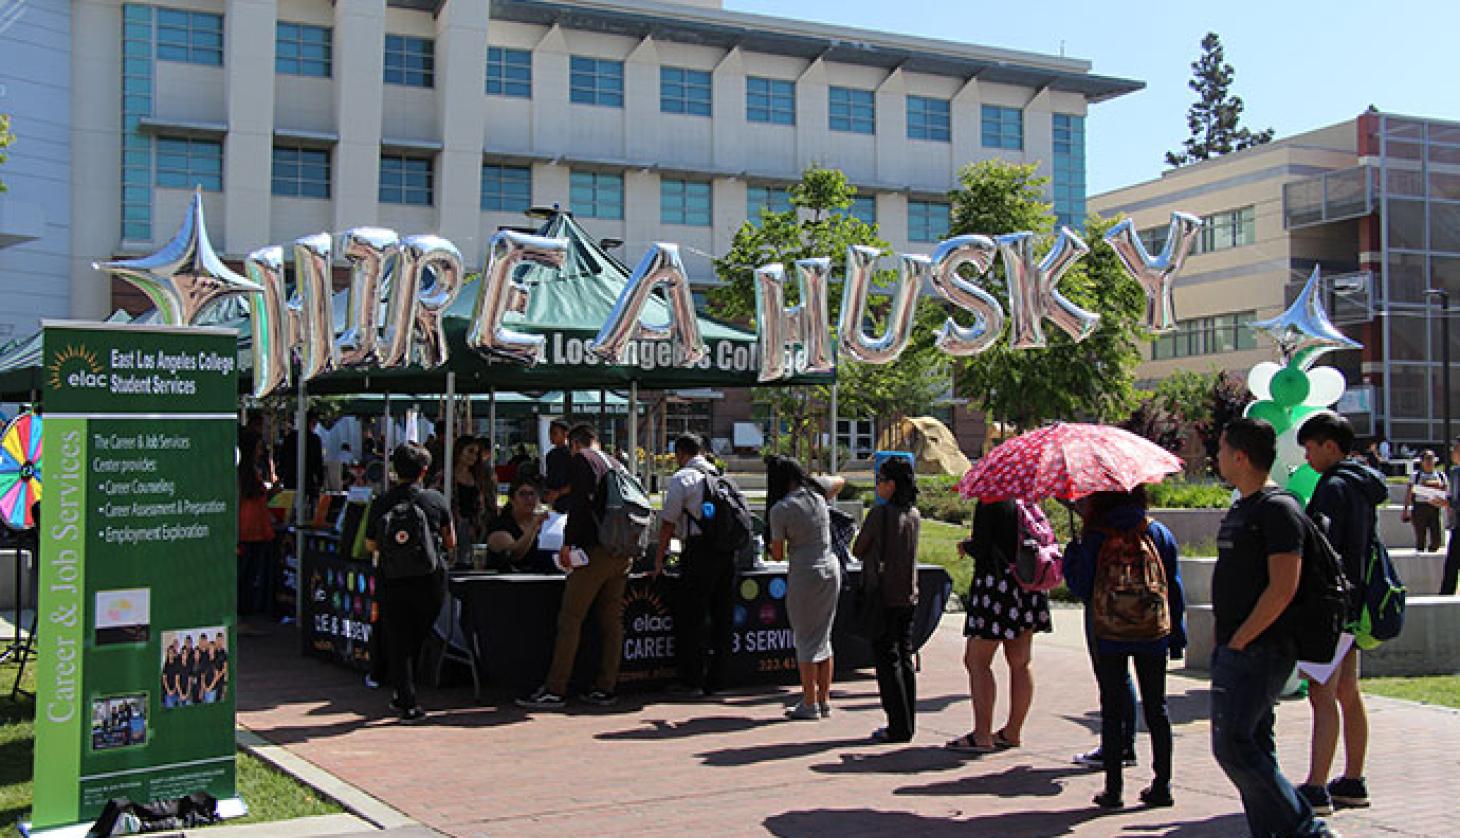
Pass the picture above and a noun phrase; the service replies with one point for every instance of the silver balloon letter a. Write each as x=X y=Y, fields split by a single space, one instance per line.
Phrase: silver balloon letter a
x=1156 y=274
x=500 y=294
x=661 y=265
x=855 y=342
x=952 y=254
x=779 y=328
x=1032 y=294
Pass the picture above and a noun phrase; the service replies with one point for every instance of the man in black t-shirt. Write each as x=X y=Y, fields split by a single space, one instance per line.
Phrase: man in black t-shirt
x=409 y=605
x=220 y=665
x=558 y=478
x=1259 y=559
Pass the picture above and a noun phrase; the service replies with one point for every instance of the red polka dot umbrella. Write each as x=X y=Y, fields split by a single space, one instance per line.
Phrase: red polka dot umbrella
x=1068 y=461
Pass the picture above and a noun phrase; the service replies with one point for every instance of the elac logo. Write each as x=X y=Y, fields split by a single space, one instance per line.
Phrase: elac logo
x=76 y=367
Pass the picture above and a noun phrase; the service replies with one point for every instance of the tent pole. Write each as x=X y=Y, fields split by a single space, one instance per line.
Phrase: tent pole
x=448 y=445
x=492 y=422
x=301 y=427
x=833 y=428
x=633 y=429
x=603 y=423
x=386 y=436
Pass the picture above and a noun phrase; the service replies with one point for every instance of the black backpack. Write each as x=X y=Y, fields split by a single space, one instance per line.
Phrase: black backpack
x=1318 y=613
x=407 y=544
x=729 y=527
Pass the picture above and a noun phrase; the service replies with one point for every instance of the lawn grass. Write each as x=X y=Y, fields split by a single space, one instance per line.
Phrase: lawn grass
x=938 y=544
x=1443 y=690
x=270 y=795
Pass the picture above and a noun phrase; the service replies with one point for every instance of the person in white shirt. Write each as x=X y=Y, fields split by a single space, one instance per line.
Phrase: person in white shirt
x=707 y=574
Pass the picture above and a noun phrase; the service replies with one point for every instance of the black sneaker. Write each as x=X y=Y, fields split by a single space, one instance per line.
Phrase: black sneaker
x=602 y=698
x=1096 y=759
x=395 y=704
x=1349 y=792
x=1157 y=796
x=542 y=699
x=415 y=714
x=1317 y=797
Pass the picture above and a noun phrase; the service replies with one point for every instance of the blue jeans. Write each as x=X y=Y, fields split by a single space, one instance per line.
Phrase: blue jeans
x=1245 y=688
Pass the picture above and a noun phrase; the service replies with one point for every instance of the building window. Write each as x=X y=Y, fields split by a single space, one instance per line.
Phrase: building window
x=928 y=119
x=852 y=110
x=684 y=202
x=509 y=72
x=301 y=50
x=1226 y=230
x=137 y=67
x=506 y=188
x=301 y=172
x=1069 y=170
x=596 y=81
x=684 y=91
x=596 y=195
x=863 y=208
x=1003 y=127
x=927 y=221
x=857 y=436
x=193 y=37
x=410 y=61
x=406 y=180
x=769 y=198
x=185 y=163
x=770 y=100
x=1154 y=238
x=1206 y=336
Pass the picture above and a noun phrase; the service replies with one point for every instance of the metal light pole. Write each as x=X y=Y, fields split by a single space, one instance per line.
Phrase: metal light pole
x=1444 y=296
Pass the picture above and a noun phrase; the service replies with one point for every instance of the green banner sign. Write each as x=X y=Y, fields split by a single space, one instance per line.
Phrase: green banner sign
x=135 y=681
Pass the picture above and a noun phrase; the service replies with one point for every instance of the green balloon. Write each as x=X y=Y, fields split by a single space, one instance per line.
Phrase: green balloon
x=1290 y=386
x=1270 y=412
x=1303 y=482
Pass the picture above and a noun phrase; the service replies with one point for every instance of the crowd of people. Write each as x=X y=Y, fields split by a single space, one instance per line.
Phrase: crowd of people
x=1121 y=564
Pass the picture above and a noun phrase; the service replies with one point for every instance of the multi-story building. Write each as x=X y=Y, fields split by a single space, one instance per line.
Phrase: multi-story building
x=1374 y=202
x=649 y=120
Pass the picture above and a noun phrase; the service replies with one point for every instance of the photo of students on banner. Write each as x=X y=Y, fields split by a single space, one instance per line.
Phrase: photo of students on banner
x=194 y=667
x=118 y=721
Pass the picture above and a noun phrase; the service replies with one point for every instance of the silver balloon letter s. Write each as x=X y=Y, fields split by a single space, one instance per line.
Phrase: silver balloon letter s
x=661 y=265
x=855 y=342
x=500 y=294
x=1156 y=274
x=1032 y=294
x=951 y=255
x=806 y=323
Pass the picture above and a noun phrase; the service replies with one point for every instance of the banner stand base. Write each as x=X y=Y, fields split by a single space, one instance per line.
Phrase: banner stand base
x=228 y=809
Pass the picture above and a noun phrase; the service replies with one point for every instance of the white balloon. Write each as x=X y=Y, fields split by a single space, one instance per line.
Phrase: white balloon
x=1326 y=386
x=1259 y=380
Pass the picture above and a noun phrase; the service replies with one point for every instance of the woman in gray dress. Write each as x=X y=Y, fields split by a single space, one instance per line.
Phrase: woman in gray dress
x=799 y=535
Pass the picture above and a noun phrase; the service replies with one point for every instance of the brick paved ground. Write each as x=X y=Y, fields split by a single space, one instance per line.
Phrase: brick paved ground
x=733 y=766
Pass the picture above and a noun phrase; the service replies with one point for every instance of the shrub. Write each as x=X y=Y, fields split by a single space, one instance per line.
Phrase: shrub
x=1179 y=494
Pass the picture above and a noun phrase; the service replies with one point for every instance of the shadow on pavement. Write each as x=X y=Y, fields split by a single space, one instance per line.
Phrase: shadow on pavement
x=1184 y=708
x=1018 y=781
x=658 y=729
x=1218 y=826
x=820 y=822
x=908 y=760
x=770 y=753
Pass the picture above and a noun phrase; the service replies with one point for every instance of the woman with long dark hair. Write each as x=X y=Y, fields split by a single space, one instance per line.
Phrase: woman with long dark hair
x=888 y=548
x=800 y=535
x=1111 y=515
x=468 y=495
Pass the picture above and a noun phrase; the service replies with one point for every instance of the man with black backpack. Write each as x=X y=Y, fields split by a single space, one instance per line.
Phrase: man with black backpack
x=410 y=532
x=711 y=517
x=1345 y=503
x=1260 y=556
x=597 y=578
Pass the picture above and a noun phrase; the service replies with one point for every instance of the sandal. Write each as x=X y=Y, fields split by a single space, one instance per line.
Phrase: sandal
x=1004 y=743
x=965 y=744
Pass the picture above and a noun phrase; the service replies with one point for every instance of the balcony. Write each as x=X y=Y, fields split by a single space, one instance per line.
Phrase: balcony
x=1329 y=197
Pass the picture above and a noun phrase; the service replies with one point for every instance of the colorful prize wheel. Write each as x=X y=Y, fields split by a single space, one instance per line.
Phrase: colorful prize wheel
x=20 y=471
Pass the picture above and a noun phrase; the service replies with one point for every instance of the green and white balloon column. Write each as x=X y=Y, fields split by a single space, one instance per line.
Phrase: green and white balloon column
x=1288 y=393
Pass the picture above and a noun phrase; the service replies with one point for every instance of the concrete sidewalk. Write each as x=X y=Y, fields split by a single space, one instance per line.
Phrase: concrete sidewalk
x=732 y=765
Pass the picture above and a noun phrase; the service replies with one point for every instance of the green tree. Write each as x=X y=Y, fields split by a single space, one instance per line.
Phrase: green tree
x=6 y=138
x=908 y=386
x=1093 y=379
x=1214 y=117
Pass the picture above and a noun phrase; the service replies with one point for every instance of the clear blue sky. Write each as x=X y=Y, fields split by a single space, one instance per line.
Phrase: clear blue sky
x=1300 y=64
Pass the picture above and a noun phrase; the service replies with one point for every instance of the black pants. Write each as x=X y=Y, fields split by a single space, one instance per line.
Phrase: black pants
x=1112 y=670
x=702 y=618
x=1452 y=566
x=255 y=577
x=892 y=651
x=409 y=607
x=1126 y=700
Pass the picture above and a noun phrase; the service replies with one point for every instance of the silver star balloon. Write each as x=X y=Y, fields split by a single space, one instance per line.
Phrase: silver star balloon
x=1304 y=332
x=186 y=276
